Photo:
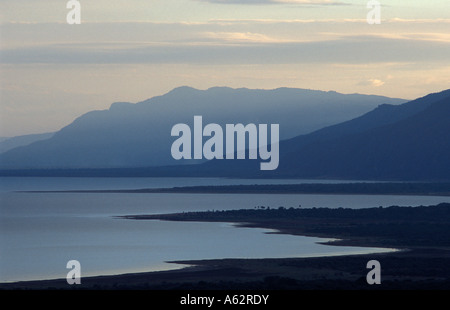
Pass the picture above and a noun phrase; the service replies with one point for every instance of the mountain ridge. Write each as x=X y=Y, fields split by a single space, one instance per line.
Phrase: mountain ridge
x=135 y=135
x=405 y=142
x=415 y=146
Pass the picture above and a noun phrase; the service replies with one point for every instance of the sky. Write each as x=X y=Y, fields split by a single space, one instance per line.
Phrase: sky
x=51 y=72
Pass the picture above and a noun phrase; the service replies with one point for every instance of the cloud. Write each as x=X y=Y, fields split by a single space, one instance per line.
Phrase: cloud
x=372 y=83
x=242 y=37
x=376 y=82
x=248 y=48
x=423 y=36
x=225 y=42
x=418 y=20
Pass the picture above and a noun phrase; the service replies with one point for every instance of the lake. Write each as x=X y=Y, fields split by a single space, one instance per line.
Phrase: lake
x=41 y=232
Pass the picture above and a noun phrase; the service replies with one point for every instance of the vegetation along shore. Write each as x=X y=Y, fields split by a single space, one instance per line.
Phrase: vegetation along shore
x=421 y=233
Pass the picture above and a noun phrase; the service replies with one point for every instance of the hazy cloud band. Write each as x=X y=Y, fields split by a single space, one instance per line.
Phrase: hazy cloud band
x=364 y=50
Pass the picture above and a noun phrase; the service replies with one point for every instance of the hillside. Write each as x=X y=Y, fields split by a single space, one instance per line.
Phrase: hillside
x=139 y=135
x=405 y=142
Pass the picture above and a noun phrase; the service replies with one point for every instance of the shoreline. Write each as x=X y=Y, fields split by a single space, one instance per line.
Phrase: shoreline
x=362 y=188
x=348 y=225
x=185 y=266
x=418 y=263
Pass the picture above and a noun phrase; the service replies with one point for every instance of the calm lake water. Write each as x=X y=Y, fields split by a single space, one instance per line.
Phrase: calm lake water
x=41 y=232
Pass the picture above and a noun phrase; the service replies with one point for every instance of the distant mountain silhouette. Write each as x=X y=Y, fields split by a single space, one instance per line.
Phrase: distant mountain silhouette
x=138 y=135
x=410 y=141
x=7 y=144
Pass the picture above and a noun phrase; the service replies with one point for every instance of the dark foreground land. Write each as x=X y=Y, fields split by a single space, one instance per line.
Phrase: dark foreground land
x=422 y=235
